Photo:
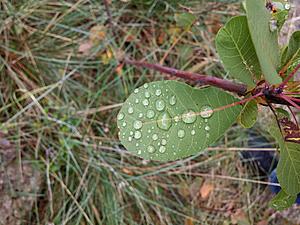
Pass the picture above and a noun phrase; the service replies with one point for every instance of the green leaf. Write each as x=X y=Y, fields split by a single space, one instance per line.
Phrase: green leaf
x=292 y=52
x=265 y=41
x=185 y=20
x=282 y=201
x=236 y=50
x=288 y=169
x=248 y=116
x=169 y=120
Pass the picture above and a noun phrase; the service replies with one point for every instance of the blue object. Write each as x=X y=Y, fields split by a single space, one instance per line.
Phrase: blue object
x=265 y=161
x=275 y=189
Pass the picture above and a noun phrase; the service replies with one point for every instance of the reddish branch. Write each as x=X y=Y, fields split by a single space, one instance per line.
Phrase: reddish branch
x=272 y=95
x=226 y=85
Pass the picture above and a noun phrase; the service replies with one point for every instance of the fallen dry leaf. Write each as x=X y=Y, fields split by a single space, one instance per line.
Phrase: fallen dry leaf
x=206 y=190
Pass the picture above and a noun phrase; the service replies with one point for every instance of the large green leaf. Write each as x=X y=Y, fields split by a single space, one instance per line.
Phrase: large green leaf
x=292 y=51
x=248 y=116
x=169 y=120
x=235 y=48
x=282 y=201
x=265 y=41
x=288 y=169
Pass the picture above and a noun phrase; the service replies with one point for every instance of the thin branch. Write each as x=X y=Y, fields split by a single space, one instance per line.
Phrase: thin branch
x=107 y=9
x=289 y=77
x=226 y=85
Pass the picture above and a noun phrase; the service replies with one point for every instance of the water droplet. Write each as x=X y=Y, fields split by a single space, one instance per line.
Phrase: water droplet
x=147 y=94
x=193 y=132
x=181 y=133
x=207 y=135
x=140 y=115
x=146 y=86
x=158 y=92
x=150 y=114
x=130 y=110
x=273 y=25
x=129 y=139
x=160 y=105
x=137 y=145
x=154 y=137
x=137 y=101
x=164 y=121
x=172 y=100
x=145 y=102
x=207 y=128
x=137 y=135
x=287 y=6
x=136 y=91
x=124 y=124
x=121 y=116
x=189 y=117
x=151 y=149
x=206 y=111
x=140 y=152
x=162 y=149
x=137 y=124
x=131 y=133
x=163 y=141
x=176 y=119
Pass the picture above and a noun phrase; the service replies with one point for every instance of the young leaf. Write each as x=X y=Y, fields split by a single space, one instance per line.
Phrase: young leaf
x=288 y=169
x=235 y=48
x=248 y=116
x=169 y=120
x=282 y=201
x=292 y=52
x=265 y=41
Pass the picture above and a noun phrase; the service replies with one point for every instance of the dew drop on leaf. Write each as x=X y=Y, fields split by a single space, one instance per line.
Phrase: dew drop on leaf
x=147 y=94
x=145 y=102
x=150 y=114
x=121 y=116
x=193 y=132
x=151 y=149
x=164 y=121
x=207 y=128
x=287 y=6
x=160 y=105
x=124 y=124
x=129 y=139
x=176 y=119
x=146 y=86
x=130 y=110
x=136 y=91
x=158 y=92
x=163 y=141
x=162 y=149
x=137 y=124
x=189 y=117
x=173 y=100
x=154 y=137
x=181 y=133
x=131 y=133
x=206 y=111
x=137 y=135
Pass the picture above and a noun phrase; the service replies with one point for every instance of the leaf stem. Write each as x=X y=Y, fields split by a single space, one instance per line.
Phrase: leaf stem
x=226 y=85
x=289 y=77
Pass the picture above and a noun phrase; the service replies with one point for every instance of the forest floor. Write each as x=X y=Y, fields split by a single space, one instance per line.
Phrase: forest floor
x=61 y=87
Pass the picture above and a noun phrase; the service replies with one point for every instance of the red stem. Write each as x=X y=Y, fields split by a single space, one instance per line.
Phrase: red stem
x=288 y=99
x=289 y=77
x=227 y=85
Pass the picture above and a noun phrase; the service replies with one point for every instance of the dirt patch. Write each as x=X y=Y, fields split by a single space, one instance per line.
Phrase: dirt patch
x=19 y=185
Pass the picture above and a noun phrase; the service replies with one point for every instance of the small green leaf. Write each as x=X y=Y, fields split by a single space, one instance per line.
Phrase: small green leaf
x=282 y=201
x=169 y=120
x=248 y=116
x=185 y=20
x=292 y=52
x=265 y=41
x=288 y=169
x=235 y=48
